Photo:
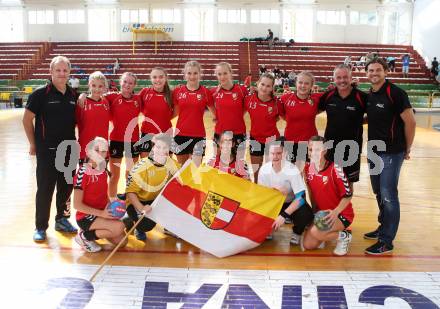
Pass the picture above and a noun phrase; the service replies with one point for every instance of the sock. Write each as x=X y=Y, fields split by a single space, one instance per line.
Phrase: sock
x=90 y=235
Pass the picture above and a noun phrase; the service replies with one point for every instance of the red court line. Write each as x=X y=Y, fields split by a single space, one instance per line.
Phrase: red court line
x=275 y=254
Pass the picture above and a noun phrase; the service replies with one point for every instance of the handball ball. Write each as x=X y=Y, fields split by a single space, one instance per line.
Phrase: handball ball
x=320 y=222
x=117 y=208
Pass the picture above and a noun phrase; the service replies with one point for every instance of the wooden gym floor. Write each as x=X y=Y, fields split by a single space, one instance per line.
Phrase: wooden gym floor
x=417 y=247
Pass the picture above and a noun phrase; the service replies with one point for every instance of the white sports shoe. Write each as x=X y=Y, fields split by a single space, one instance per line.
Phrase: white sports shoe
x=88 y=245
x=295 y=239
x=269 y=237
x=343 y=244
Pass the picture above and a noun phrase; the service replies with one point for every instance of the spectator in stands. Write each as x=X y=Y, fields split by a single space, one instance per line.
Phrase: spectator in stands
x=74 y=83
x=116 y=66
x=434 y=67
x=391 y=61
x=347 y=62
x=290 y=43
x=278 y=83
x=292 y=78
x=54 y=124
x=269 y=38
x=262 y=69
x=406 y=59
x=390 y=121
x=276 y=71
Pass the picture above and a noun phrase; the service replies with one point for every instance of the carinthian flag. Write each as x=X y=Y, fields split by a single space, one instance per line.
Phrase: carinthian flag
x=217 y=212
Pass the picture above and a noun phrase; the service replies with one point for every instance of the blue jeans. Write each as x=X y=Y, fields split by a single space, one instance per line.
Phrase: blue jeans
x=385 y=188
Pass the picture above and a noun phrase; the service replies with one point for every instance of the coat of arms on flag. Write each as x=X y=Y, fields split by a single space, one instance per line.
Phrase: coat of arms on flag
x=217 y=212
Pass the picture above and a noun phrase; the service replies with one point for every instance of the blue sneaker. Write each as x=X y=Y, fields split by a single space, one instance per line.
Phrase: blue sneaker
x=140 y=235
x=39 y=235
x=63 y=225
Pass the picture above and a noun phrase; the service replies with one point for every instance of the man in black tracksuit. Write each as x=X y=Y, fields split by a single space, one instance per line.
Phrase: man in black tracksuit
x=53 y=108
x=345 y=109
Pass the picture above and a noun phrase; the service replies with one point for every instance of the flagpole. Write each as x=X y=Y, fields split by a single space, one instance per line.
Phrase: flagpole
x=115 y=249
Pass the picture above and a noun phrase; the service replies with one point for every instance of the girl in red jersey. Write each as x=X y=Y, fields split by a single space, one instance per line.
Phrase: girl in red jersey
x=226 y=159
x=157 y=108
x=91 y=200
x=124 y=112
x=263 y=108
x=229 y=105
x=330 y=191
x=190 y=102
x=94 y=115
x=299 y=109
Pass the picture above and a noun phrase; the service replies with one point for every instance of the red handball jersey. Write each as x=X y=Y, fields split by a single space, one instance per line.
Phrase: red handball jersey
x=157 y=113
x=236 y=168
x=122 y=112
x=192 y=105
x=92 y=120
x=328 y=187
x=229 y=109
x=264 y=117
x=94 y=187
x=300 y=116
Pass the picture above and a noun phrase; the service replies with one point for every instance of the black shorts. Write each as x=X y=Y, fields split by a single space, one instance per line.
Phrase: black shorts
x=85 y=223
x=256 y=148
x=344 y=221
x=117 y=149
x=146 y=143
x=296 y=152
x=351 y=172
x=184 y=145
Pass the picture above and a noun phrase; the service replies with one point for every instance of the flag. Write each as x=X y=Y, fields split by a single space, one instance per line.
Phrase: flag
x=216 y=212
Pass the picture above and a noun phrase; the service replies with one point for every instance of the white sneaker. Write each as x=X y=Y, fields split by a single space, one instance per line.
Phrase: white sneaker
x=88 y=245
x=321 y=245
x=343 y=244
x=269 y=237
x=295 y=240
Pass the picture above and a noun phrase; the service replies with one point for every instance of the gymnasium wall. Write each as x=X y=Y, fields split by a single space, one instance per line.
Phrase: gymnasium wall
x=347 y=33
x=426 y=29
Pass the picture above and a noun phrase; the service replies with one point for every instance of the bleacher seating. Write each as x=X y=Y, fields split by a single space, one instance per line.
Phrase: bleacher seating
x=87 y=57
x=321 y=58
x=13 y=56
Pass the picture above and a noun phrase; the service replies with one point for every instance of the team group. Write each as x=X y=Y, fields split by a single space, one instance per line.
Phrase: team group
x=298 y=160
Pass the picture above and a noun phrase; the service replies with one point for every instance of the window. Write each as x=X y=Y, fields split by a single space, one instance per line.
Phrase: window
x=41 y=17
x=363 y=18
x=11 y=23
x=331 y=17
x=166 y=16
x=265 y=16
x=134 y=16
x=232 y=16
x=71 y=17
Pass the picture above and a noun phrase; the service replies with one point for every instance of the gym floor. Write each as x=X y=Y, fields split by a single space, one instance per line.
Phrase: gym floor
x=146 y=275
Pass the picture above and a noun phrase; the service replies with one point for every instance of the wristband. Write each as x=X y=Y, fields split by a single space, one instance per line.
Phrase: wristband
x=284 y=214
